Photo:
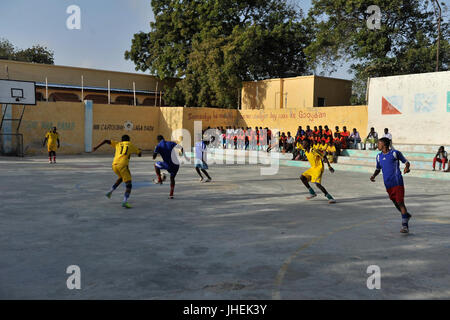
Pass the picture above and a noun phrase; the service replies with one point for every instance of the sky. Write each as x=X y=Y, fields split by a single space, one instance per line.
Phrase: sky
x=107 y=27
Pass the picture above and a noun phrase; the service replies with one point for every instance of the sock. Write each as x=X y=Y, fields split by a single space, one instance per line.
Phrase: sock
x=311 y=191
x=126 y=196
x=54 y=158
x=172 y=187
x=50 y=159
x=329 y=196
x=405 y=218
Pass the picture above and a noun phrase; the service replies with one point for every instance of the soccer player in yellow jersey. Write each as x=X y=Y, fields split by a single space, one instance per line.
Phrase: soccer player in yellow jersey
x=331 y=152
x=322 y=146
x=124 y=150
x=314 y=174
x=52 y=140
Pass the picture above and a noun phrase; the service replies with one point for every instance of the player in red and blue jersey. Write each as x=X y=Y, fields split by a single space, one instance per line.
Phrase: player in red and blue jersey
x=388 y=161
x=170 y=163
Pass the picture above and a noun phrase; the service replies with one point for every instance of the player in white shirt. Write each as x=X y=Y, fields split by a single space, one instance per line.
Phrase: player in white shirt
x=200 y=160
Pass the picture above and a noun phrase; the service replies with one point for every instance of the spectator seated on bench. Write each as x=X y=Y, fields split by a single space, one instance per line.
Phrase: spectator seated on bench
x=442 y=157
x=355 y=139
x=371 y=139
x=331 y=152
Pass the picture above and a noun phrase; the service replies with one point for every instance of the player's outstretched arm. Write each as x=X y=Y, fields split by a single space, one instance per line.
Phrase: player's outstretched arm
x=325 y=159
x=45 y=141
x=377 y=172
x=58 y=142
x=103 y=142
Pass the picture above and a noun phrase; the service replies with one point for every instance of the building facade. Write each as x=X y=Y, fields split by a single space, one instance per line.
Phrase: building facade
x=293 y=93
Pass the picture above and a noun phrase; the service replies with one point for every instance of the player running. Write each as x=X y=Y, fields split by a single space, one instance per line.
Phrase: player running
x=52 y=140
x=200 y=159
x=314 y=174
x=388 y=162
x=124 y=150
x=170 y=163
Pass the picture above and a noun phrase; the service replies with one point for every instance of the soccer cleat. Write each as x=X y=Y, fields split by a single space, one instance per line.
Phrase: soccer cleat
x=126 y=205
x=108 y=195
x=311 y=196
x=170 y=197
x=207 y=180
x=201 y=180
x=331 y=201
x=155 y=181
x=404 y=229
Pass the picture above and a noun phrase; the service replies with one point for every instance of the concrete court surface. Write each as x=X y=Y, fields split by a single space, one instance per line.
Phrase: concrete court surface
x=243 y=236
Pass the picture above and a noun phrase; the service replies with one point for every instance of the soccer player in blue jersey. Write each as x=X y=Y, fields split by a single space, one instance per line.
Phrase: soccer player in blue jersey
x=200 y=159
x=170 y=163
x=388 y=162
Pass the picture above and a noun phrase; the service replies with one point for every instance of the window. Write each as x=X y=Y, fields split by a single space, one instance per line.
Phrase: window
x=321 y=102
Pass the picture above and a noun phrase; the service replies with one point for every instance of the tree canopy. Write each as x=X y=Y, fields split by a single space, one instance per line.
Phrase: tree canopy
x=404 y=44
x=214 y=45
x=36 y=54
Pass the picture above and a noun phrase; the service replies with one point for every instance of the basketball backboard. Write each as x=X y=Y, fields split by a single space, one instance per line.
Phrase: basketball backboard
x=17 y=92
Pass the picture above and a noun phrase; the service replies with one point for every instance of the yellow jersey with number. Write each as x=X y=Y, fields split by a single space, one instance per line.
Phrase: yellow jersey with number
x=315 y=158
x=124 y=150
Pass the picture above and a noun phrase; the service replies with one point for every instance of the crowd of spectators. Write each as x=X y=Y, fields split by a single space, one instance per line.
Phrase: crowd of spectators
x=261 y=139
x=323 y=139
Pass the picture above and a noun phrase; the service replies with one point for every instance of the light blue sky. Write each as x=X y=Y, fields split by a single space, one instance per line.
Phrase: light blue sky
x=107 y=27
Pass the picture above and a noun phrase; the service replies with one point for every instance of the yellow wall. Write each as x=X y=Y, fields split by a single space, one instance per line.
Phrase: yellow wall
x=289 y=119
x=68 y=117
x=170 y=119
x=299 y=92
x=109 y=123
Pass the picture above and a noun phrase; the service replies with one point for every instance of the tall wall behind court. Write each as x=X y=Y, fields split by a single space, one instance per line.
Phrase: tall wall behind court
x=415 y=108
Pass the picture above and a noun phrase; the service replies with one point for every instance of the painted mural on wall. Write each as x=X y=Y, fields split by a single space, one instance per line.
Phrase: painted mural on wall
x=127 y=126
x=47 y=125
x=392 y=105
x=425 y=102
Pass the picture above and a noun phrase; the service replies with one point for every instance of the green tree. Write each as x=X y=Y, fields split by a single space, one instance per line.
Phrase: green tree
x=214 y=45
x=36 y=54
x=405 y=42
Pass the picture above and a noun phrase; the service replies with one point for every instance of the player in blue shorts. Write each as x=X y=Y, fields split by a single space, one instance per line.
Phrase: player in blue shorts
x=170 y=162
x=388 y=162
x=200 y=159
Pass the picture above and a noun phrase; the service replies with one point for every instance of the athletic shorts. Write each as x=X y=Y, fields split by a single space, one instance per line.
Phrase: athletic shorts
x=52 y=147
x=122 y=172
x=173 y=170
x=201 y=165
x=314 y=174
x=396 y=193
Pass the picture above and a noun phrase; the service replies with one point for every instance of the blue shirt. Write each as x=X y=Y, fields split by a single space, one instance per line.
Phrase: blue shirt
x=389 y=163
x=164 y=148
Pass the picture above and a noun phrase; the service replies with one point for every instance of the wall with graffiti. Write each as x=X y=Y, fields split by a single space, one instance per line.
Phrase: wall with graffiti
x=415 y=108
